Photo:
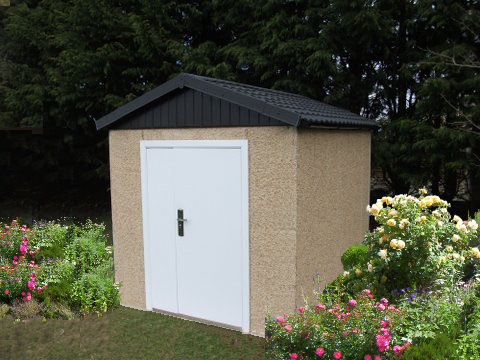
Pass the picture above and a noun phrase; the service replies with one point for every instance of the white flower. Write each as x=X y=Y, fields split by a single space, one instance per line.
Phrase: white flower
x=74 y=263
x=473 y=224
x=455 y=238
x=346 y=273
x=457 y=218
x=383 y=253
x=370 y=268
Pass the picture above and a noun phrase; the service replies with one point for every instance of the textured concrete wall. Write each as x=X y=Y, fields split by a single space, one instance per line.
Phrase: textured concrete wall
x=272 y=212
x=333 y=193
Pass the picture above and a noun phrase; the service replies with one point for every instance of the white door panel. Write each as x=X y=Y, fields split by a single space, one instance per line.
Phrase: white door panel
x=203 y=273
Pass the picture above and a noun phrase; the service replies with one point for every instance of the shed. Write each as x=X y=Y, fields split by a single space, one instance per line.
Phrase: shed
x=228 y=198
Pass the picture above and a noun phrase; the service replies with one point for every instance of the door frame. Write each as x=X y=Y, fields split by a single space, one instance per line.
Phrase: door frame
x=201 y=144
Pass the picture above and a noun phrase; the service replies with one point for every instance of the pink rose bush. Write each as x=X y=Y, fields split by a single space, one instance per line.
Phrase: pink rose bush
x=18 y=271
x=360 y=327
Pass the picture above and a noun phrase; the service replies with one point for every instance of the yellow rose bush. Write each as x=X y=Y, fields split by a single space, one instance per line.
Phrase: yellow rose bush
x=417 y=242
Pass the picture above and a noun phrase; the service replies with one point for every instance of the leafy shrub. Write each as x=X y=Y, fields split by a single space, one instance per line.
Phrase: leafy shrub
x=25 y=309
x=354 y=256
x=55 y=263
x=440 y=347
x=94 y=291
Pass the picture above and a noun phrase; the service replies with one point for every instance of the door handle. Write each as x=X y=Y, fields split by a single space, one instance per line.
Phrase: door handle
x=180 y=222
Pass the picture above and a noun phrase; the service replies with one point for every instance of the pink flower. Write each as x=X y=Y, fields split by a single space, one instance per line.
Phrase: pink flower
x=15 y=257
x=384 y=300
x=7 y=227
x=281 y=319
x=320 y=352
x=23 y=293
x=367 y=357
x=337 y=354
x=320 y=306
x=366 y=291
x=293 y=356
x=382 y=342
x=381 y=307
x=325 y=334
x=377 y=357
x=301 y=309
x=384 y=324
x=288 y=327
x=352 y=302
x=6 y=292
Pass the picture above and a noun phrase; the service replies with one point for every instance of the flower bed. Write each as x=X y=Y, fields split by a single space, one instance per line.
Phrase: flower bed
x=63 y=271
x=406 y=293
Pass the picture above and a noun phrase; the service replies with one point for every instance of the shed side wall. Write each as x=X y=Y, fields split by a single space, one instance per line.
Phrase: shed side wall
x=272 y=212
x=333 y=193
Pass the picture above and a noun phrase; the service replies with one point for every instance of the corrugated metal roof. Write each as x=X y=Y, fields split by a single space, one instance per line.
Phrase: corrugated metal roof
x=288 y=108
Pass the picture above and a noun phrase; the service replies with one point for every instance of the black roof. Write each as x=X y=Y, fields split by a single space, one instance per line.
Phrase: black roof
x=273 y=106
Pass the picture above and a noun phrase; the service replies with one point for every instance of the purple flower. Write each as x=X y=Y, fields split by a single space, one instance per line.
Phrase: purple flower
x=408 y=288
x=413 y=296
x=448 y=300
x=409 y=299
x=456 y=298
x=415 y=290
x=433 y=305
x=383 y=286
x=394 y=290
x=423 y=290
x=402 y=290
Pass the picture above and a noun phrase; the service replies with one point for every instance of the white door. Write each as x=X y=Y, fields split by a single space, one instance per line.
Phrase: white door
x=202 y=272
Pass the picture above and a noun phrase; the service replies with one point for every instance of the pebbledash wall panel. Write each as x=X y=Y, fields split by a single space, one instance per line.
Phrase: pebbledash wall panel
x=307 y=191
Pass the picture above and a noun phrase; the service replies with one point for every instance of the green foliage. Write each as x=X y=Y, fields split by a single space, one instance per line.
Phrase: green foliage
x=440 y=347
x=52 y=310
x=93 y=291
x=354 y=256
x=4 y=309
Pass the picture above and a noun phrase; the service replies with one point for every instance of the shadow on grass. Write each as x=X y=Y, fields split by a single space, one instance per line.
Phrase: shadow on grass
x=124 y=333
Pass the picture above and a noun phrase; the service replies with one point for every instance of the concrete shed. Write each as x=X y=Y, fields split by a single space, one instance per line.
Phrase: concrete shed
x=227 y=198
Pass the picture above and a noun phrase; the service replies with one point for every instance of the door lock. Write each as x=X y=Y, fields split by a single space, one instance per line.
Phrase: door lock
x=180 y=221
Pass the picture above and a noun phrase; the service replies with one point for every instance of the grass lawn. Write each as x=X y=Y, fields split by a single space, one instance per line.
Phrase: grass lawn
x=124 y=333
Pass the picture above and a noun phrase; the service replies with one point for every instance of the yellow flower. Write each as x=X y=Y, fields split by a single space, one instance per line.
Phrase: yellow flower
x=401 y=244
x=455 y=238
x=391 y=222
x=375 y=209
x=392 y=213
x=457 y=218
x=429 y=244
x=461 y=226
x=380 y=230
x=371 y=261
x=429 y=202
x=456 y=256
x=462 y=259
x=449 y=247
x=422 y=190
x=393 y=243
x=436 y=213
x=383 y=279
x=410 y=264
x=423 y=218
x=358 y=272
x=370 y=268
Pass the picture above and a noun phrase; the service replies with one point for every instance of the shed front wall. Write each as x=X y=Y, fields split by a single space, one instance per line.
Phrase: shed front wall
x=333 y=185
x=272 y=212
